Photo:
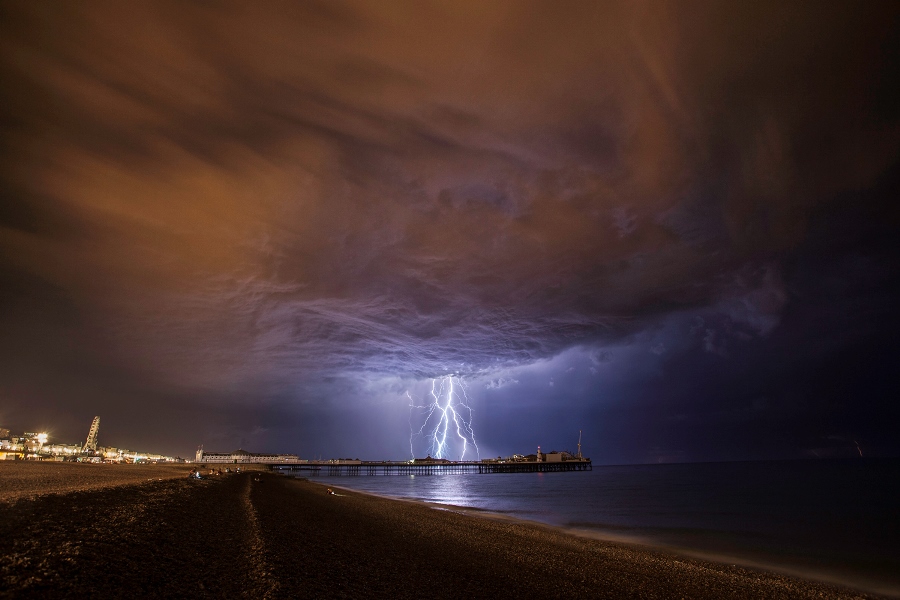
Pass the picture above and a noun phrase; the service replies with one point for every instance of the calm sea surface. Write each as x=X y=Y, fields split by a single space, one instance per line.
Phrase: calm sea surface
x=833 y=520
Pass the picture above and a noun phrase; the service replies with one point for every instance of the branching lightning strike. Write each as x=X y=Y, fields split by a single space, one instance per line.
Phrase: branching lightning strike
x=448 y=411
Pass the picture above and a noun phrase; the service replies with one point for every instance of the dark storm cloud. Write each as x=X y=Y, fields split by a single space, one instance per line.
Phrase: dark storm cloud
x=250 y=201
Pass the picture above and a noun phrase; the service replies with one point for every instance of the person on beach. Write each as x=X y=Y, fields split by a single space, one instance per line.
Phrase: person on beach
x=329 y=491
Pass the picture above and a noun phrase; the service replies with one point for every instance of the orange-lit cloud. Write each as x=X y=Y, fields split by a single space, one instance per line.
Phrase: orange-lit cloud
x=256 y=194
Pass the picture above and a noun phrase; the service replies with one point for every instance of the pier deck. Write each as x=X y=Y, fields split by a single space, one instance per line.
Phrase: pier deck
x=407 y=468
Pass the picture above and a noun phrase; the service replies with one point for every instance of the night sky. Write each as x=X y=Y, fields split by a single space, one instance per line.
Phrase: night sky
x=673 y=226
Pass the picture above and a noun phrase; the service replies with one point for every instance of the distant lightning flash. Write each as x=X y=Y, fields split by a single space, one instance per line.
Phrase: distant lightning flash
x=447 y=412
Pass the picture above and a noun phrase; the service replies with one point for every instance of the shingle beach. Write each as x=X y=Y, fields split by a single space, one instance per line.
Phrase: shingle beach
x=108 y=531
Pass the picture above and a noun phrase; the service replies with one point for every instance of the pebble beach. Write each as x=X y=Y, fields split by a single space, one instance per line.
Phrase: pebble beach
x=134 y=531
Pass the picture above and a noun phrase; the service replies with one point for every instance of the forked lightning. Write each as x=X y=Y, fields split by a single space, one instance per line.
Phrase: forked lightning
x=446 y=421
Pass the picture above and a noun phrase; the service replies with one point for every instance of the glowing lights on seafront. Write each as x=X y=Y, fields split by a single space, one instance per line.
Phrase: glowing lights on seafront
x=446 y=415
x=39 y=446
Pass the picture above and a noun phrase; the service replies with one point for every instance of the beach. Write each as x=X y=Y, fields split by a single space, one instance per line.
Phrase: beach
x=117 y=531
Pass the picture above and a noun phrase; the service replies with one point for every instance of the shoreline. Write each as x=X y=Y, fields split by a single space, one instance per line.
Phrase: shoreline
x=267 y=535
x=640 y=543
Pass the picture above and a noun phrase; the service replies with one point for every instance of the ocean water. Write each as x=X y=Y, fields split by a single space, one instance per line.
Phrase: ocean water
x=831 y=520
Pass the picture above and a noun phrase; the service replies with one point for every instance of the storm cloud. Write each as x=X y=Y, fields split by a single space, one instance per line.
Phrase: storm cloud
x=280 y=217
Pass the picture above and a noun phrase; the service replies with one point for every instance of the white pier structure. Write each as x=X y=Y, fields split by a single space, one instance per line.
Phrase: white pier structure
x=243 y=457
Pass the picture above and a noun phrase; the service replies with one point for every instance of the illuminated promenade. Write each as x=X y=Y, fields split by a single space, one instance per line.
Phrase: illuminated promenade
x=356 y=468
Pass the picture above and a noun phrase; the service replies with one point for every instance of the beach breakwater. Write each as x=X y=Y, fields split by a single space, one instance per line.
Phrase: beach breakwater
x=267 y=536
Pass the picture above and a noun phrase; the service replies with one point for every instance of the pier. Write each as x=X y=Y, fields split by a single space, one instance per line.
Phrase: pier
x=354 y=468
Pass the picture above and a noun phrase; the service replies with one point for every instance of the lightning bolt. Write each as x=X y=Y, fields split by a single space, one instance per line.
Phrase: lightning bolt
x=447 y=411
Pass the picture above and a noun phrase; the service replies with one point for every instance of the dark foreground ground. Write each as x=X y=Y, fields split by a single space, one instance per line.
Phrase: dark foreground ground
x=261 y=535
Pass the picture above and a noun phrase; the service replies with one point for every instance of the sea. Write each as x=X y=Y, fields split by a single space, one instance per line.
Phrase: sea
x=836 y=521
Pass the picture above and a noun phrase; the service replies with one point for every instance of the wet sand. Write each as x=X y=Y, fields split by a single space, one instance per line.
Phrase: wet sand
x=156 y=534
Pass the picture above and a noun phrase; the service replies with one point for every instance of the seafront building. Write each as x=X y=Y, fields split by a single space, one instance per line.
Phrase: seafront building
x=242 y=457
x=39 y=446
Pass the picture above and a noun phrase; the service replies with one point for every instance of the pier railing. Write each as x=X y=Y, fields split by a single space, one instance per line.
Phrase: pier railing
x=427 y=468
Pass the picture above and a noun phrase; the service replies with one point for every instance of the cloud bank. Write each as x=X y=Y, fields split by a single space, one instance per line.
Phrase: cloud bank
x=244 y=205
